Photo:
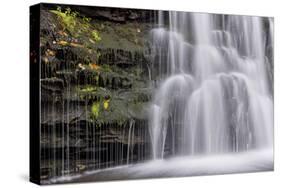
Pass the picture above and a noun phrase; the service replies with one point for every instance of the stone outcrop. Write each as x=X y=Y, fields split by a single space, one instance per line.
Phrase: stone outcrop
x=94 y=110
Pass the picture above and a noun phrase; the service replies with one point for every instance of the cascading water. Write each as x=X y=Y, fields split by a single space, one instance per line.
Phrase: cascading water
x=212 y=91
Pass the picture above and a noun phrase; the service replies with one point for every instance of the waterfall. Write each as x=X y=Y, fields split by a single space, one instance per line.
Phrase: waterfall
x=212 y=93
x=130 y=140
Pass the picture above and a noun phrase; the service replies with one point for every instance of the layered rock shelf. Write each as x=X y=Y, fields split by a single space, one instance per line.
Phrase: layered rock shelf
x=94 y=91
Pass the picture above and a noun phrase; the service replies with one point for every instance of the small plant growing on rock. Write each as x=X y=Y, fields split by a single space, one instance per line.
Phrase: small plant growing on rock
x=95 y=110
x=77 y=31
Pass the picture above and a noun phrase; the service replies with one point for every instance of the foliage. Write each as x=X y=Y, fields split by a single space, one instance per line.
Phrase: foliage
x=106 y=104
x=89 y=89
x=106 y=68
x=95 y=35
x=95 y=109
x=78 y=31
x=94 y=66
x=77 y=25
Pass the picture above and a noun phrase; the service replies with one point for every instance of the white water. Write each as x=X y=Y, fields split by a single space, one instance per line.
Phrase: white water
x=180 y=166
x=213 y=95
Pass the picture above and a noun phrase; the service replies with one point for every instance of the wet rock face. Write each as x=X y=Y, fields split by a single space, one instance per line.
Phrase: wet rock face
x=121 y=58
x=94 y=96
x=91 y=146
x=116 y=14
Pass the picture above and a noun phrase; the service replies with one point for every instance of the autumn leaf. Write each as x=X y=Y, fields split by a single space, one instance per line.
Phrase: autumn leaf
x=62 y=42
x=50 y=52
x=94 y=66
x=63 y=33
x=76 y=45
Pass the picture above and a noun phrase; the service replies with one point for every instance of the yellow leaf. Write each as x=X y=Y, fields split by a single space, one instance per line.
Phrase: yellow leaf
x=92 y=41
x=45 y=59
x=62 y=42
x=50 y=52
x=76 y=45
x=106 y=104
x=95 y=109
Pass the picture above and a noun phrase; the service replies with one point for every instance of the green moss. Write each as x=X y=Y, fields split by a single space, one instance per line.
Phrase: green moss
x=116 y=108
x=93 y=92
x=88 y=89
x=128 y=36
x=107 y=68
x=104 y=104
x=97 y=78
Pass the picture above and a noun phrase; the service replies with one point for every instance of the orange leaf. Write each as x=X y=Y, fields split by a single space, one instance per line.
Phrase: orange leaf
x=94 y=66
x=62 y=33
